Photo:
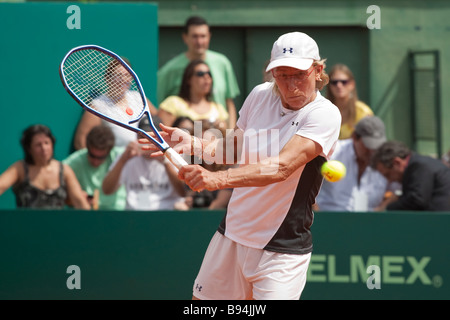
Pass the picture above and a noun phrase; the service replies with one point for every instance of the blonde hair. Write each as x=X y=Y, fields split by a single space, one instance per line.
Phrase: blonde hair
x=324 y=78
x=349 y=110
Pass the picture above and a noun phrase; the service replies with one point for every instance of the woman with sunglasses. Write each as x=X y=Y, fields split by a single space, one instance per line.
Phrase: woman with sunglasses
x=194 y=99
x=342 y=92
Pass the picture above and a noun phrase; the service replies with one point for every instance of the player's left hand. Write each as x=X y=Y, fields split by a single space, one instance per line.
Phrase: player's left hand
x=176 y=138
x=198 y=178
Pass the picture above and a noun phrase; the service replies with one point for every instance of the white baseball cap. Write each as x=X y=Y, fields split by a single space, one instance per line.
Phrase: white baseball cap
x=295 y=50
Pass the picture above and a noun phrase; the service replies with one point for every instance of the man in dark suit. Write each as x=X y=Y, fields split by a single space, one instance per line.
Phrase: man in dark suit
x=425 y=180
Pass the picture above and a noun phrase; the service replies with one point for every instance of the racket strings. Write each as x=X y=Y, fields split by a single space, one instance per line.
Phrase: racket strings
x=102 y=83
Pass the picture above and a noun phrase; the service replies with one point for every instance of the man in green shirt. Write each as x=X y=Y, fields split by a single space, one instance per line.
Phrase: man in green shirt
x=196 y=36
x=91 y=164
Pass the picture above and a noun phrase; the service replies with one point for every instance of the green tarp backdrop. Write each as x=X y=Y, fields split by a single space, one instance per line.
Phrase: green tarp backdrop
x=156 y=255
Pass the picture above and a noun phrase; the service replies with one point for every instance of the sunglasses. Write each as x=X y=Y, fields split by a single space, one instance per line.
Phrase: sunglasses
x=202 y=73
x=93 y=156
x=335 y=82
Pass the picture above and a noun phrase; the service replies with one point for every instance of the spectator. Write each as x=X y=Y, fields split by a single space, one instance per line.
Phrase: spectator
x=185 y=123
x=194 y=98
x=342 y=92
x=40 y=181
x=91 y=165
x=425 y=180
x=216 y=199
x=363 y=188
x=196 y=35
x=446 y=158
x=151 y=184
x=118 y=95
x=266 y=75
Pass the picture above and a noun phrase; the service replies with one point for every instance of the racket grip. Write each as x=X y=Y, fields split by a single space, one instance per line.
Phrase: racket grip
x=175 y=158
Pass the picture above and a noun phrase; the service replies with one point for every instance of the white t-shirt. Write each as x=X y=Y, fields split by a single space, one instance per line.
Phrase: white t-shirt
x=147 y=184
x=105 y=105
x=346 y=194
x=277 y=217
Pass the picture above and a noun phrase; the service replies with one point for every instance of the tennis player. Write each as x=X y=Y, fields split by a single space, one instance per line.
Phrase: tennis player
x=285 y=132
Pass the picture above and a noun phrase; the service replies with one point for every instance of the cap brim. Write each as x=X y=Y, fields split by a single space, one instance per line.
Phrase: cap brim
x=373 y=143
x=297 y=63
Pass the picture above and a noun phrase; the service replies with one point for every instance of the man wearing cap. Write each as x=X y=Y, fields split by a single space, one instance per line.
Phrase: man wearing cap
x=285 y=132
x=363 y=188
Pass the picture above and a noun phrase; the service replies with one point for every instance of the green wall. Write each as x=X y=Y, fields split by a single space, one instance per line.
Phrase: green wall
x=156 y=255
x=34 y=40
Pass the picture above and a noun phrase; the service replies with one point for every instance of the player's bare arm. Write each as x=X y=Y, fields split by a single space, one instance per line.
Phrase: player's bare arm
x=295 y=154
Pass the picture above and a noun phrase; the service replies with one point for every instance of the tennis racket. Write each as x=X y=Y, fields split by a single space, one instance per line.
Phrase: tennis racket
x=106 y=86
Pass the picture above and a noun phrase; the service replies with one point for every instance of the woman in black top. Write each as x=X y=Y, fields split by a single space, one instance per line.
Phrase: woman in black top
x=39 y=181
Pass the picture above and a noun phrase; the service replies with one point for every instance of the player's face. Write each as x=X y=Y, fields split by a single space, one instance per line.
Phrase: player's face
x=41 y=148
x=297 y=87
x=341 y=85
x=197 y=39
x=201 y=80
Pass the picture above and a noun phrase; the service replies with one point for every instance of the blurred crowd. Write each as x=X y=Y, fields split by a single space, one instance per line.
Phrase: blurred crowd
x=109 y=171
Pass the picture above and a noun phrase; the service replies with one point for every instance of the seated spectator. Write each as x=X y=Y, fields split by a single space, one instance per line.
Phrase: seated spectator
x=217 y=199
x=185 y=123
x=342 y=92
x=150 y=183
x=91 y=165
x=194 y=99
x=363 y=188
x=446 y=158
x=40 y=181
x=425 y=180
x=121 y=96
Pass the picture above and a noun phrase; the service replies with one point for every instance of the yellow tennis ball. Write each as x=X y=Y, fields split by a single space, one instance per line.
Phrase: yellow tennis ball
x=333 y=170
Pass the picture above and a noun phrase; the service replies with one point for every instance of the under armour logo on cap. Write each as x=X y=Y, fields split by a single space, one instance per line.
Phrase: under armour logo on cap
x=296 y=50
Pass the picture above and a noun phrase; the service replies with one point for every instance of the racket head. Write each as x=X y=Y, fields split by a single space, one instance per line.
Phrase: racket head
x=106 y=86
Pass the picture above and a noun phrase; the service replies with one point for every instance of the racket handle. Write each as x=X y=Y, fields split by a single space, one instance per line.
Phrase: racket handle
x=175 y=158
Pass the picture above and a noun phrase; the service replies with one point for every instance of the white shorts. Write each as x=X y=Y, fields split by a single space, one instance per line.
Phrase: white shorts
x=231 y=271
